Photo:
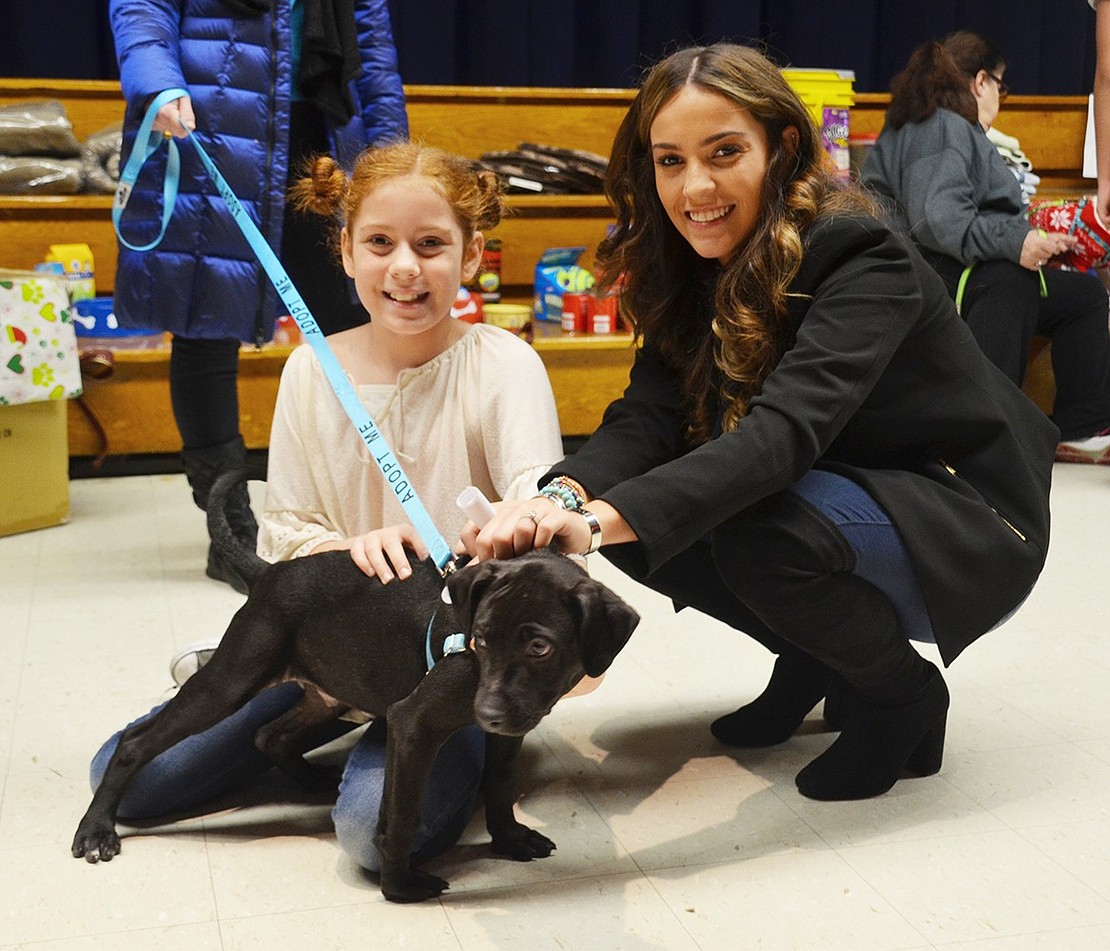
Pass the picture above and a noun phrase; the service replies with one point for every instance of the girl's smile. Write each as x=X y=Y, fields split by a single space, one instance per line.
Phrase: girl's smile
x=407 y=255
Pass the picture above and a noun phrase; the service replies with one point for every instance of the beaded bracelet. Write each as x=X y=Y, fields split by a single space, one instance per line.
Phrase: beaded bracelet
x=565 y=492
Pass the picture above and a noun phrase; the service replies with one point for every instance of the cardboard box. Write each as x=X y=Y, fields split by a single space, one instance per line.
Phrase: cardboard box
x=77 y=266
x=34 y=466
x=557 y=273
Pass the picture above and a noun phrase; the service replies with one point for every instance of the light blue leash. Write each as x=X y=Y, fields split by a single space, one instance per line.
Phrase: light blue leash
x=145 y=146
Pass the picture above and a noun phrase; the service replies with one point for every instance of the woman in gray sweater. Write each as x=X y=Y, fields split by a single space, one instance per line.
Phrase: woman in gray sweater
x=945 y=184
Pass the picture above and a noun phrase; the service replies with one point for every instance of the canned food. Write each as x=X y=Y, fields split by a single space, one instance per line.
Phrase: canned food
x=489 y=272
x=578 y=310
x=606 y=317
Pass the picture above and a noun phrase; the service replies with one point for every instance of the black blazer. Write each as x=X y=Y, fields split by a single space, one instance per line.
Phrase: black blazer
x=883 y=384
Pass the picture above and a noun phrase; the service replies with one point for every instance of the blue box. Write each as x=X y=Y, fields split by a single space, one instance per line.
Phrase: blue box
x=96 y=324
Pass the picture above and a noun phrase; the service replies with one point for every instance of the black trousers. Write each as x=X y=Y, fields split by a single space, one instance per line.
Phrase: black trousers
x=204 y=373
x=781 y=572
x=1004 y=310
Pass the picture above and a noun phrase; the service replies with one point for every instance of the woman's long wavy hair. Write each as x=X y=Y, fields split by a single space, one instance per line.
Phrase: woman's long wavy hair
x=721 y=336
x=937 y=76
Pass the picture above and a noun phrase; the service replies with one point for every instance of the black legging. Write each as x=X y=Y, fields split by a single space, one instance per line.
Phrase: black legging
x=203 y=391
x=1004 y=310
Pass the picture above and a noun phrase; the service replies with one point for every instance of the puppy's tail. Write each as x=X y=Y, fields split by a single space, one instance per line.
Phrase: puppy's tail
x=241 y=559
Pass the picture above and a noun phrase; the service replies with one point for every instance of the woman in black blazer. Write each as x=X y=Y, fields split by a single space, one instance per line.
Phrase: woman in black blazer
x=811 y=446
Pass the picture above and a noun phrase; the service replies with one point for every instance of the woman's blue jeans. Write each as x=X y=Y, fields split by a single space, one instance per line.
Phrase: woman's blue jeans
x=817 y=569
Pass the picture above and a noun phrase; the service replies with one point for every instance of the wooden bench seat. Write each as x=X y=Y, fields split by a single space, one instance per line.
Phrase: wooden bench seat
x=133 y=404
x=1050 y=129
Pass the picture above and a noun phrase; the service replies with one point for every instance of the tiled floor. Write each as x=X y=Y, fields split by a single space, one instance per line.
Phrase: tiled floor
x=666 y=840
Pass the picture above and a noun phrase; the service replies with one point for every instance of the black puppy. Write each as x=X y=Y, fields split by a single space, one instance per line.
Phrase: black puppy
x=532 y=626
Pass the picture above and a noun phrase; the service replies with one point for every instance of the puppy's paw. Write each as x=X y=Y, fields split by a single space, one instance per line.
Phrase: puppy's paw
x=96 y=842
x=522 y=844
x=417 y=886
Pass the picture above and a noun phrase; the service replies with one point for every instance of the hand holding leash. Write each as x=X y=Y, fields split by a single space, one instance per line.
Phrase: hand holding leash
x=175 y=118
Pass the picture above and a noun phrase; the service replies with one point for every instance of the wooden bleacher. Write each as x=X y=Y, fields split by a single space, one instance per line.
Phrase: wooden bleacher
x=133 y=404
x=586 y=372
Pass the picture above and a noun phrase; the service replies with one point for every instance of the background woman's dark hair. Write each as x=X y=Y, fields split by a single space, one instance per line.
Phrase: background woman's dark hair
x=673 y=296
x=937 y=76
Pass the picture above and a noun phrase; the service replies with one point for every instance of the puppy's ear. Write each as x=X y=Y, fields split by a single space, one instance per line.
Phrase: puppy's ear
x=607 y=624
x=468 y=585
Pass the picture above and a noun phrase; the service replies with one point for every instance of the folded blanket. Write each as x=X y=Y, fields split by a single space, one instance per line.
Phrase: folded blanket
x=39 y=175
x=100 y=158
x=37 y=128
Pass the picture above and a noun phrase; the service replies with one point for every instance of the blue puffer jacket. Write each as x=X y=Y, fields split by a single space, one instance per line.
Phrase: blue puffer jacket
x=203 y=281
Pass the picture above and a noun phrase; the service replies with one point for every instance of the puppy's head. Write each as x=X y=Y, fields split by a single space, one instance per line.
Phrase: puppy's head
x=538 y=624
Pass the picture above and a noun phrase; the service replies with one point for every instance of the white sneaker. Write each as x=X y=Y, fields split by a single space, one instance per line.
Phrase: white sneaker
x=188 y=661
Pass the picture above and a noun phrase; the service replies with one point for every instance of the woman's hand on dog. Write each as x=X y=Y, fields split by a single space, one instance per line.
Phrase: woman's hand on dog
x=525 y=525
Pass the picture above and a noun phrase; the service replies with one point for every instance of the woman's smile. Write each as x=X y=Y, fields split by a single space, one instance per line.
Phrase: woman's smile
x=709 y=216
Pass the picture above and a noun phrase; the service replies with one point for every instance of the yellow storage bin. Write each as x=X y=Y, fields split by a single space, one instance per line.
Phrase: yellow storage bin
x=818 y=88
x=827 y=93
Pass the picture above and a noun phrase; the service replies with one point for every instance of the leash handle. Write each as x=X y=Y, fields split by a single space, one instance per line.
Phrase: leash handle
x=387 y=462
x=145 y=146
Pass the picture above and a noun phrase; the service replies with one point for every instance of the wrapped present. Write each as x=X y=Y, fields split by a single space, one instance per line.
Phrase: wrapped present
x=38 y=344
x=1074 y=216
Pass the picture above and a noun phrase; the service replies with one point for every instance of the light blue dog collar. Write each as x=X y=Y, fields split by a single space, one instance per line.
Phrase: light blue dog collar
x=452 y=643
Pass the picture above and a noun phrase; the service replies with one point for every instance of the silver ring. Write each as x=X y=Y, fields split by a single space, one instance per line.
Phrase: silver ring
x=534 y=516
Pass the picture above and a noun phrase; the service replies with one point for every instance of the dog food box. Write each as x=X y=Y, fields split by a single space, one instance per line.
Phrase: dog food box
x=77 y=266
x=558 y=272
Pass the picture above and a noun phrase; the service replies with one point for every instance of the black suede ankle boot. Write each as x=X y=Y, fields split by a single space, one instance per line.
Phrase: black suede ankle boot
x=797 y=683
x=878 y=742
x=838 y=700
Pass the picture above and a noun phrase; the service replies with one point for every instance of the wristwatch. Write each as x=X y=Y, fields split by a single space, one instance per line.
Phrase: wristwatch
x=595 y=531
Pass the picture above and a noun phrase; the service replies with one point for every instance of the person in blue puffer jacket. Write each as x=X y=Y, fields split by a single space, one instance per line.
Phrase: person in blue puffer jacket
x=270 y=83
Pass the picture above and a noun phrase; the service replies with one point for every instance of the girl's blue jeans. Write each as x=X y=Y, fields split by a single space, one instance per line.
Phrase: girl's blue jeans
x=202 y=768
